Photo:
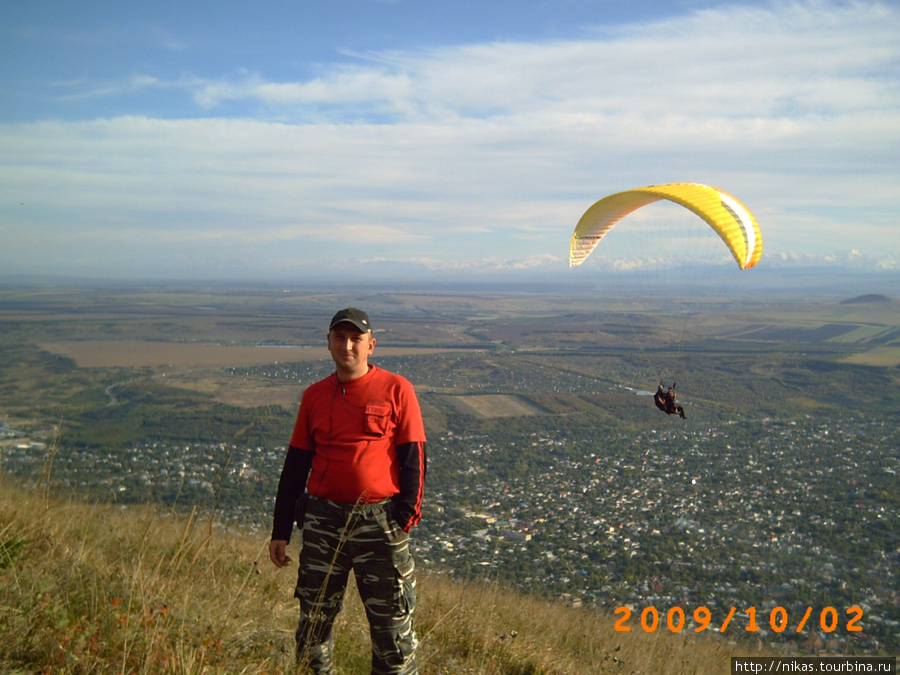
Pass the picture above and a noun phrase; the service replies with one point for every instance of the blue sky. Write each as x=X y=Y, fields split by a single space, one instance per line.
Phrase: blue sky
x=295 y=139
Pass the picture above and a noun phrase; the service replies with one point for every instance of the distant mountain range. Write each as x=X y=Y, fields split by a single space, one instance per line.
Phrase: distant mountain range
x=848 y=276
x=839 y=276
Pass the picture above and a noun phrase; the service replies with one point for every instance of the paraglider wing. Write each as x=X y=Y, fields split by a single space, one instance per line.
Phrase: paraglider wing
x=730 y=219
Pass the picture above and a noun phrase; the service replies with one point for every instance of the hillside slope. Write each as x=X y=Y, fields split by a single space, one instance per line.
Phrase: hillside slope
x=100 y=588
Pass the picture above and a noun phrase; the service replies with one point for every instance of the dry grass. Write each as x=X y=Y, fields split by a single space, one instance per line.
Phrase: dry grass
x=89 y=589
x=102 y=589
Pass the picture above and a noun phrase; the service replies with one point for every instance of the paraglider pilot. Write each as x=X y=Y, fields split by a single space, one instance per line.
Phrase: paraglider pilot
x=665 y=401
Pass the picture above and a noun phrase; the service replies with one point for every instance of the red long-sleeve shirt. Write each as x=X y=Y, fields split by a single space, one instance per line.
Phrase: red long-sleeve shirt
x=360 y=440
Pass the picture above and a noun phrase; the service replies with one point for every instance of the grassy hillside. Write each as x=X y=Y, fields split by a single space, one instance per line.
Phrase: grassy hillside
x=102 y=589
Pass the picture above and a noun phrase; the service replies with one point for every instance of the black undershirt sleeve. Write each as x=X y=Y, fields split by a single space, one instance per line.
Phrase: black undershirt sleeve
x=407 y=505
x=291 y=486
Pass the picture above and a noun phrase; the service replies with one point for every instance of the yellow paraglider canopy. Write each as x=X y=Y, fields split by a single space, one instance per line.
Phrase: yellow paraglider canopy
x=731 y=220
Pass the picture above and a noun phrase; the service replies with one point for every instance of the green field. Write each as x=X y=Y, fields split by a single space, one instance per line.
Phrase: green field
x=487 y=354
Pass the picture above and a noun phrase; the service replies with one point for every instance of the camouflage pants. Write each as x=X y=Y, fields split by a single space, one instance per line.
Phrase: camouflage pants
x=364 y=538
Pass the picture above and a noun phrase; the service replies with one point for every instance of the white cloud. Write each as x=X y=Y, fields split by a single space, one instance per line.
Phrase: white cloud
x=796 y=59
x=341 y=87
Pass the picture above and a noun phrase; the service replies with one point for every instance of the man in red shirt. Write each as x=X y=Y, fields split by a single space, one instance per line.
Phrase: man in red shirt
x=353 y=480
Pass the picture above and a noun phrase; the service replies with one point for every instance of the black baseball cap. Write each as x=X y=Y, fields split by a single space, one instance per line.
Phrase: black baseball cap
x=354 y=316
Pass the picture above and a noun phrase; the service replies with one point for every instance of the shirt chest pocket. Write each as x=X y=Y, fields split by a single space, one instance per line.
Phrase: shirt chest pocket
x=377 y=420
